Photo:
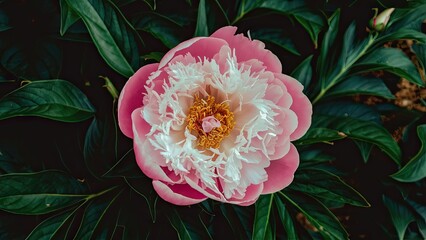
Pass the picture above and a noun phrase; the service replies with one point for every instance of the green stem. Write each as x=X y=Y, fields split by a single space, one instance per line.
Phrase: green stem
x=100 y=193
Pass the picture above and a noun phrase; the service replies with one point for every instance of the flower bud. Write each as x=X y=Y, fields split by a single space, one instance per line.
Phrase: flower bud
x=379 y=22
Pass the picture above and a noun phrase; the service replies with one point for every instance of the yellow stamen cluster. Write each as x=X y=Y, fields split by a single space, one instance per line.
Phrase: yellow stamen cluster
x=208 y=107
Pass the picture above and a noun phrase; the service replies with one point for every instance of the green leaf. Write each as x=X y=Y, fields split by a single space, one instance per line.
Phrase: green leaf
x=402 y=34
x=364 y=131
x=112 y=35
x=39 y=193
x=401 y=216
x=179 y=225
x=317 y=214
x=318 y=135
x=39 y=58
x=94 y=215
x=325 y=185
x=303 y=72
x=68 y=17
x=201 y=28
x=262 y=214
x=161 y=27
x=49 y=227
x=314 y=157
x=360 y=85
x=348 y=109
x=420 y=50
x=285 y=218
x=53 y=99
x=327 y=43
x=275 y=36
x=392 y=60
x=415 y=169
x=351 y=52
x=408 y=18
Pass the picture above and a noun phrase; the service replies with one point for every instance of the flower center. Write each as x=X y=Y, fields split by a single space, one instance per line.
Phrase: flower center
x=211 y=122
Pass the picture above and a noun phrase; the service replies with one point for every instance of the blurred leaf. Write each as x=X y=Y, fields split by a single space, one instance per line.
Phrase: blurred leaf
x=161 y=27
x=238 y=219
x=360 y=85
x=303 y=72
x=11 y=162
x=38 y=59
x=262 y=214
x=325 y=185
x=49 y=227
x=419 y=208
x=317 y=214
x=391 y=60
x=364 y=148
x=4 y=21
x=94 y=215
x=201 y=28
x=318 y=135
x=415 y=169
x=113 y=36
x=285 y=218
x=100 y=143
x=39 y=193
x=311 y=21
x=143 y=187
x=401 y=216
x=135 y=221
x=53 y=99
x=364 y=131
x=68 y=17
x=275 y=36
x=151 y=3
x=125 y=167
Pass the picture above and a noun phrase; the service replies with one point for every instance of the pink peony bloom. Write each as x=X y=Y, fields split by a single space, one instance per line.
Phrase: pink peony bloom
x=214 y=119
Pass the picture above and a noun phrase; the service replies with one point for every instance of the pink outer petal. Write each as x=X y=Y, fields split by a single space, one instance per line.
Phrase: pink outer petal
x=147 y=157
x=252 y=194
x=131 y=97
x=199 y=47
x=301 y=105
x=179 y=194
x=281 y=171
x=246 y=49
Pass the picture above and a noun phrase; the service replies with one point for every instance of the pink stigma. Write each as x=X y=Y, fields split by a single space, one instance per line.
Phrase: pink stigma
x=209 y=123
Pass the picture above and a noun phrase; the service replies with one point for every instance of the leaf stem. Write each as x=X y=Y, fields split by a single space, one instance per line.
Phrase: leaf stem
x=100 y=193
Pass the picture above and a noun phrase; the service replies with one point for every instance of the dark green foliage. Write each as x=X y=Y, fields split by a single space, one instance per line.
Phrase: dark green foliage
x=67 y=172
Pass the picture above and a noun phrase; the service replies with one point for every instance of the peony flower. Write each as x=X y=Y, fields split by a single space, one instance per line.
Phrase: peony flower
x=215 y=119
